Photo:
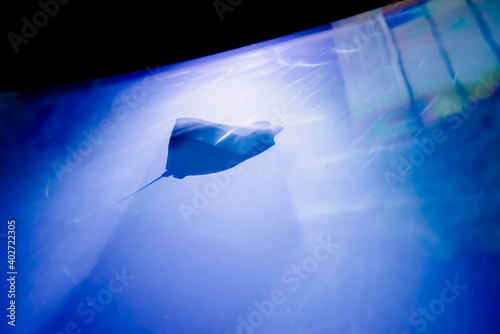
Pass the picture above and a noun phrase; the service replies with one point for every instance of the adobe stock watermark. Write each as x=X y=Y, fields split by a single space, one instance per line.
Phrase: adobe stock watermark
x=425 y=147
x=363 y=36
x=30 y=27
x=248 y=148
x=436 y=306
x=222 y=7
x=292 y=278
x=128 y=100
x=201 y=198
x=255 y=145
x=282 y=115
x=96 y=303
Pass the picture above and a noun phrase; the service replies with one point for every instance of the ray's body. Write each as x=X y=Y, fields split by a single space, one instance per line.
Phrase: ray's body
x=199 y=147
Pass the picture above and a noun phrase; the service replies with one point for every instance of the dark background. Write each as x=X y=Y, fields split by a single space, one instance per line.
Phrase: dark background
x=90 y=39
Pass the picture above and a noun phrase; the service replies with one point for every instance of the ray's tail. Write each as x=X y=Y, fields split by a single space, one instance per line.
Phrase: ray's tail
x=166 y=174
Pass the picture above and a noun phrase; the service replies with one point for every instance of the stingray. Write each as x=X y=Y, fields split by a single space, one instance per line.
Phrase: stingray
x=199 y=147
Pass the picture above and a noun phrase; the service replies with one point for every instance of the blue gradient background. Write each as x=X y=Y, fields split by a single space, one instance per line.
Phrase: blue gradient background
x=358 y=99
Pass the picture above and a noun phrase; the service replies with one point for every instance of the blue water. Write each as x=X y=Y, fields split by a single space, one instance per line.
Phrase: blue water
x=377 y=211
